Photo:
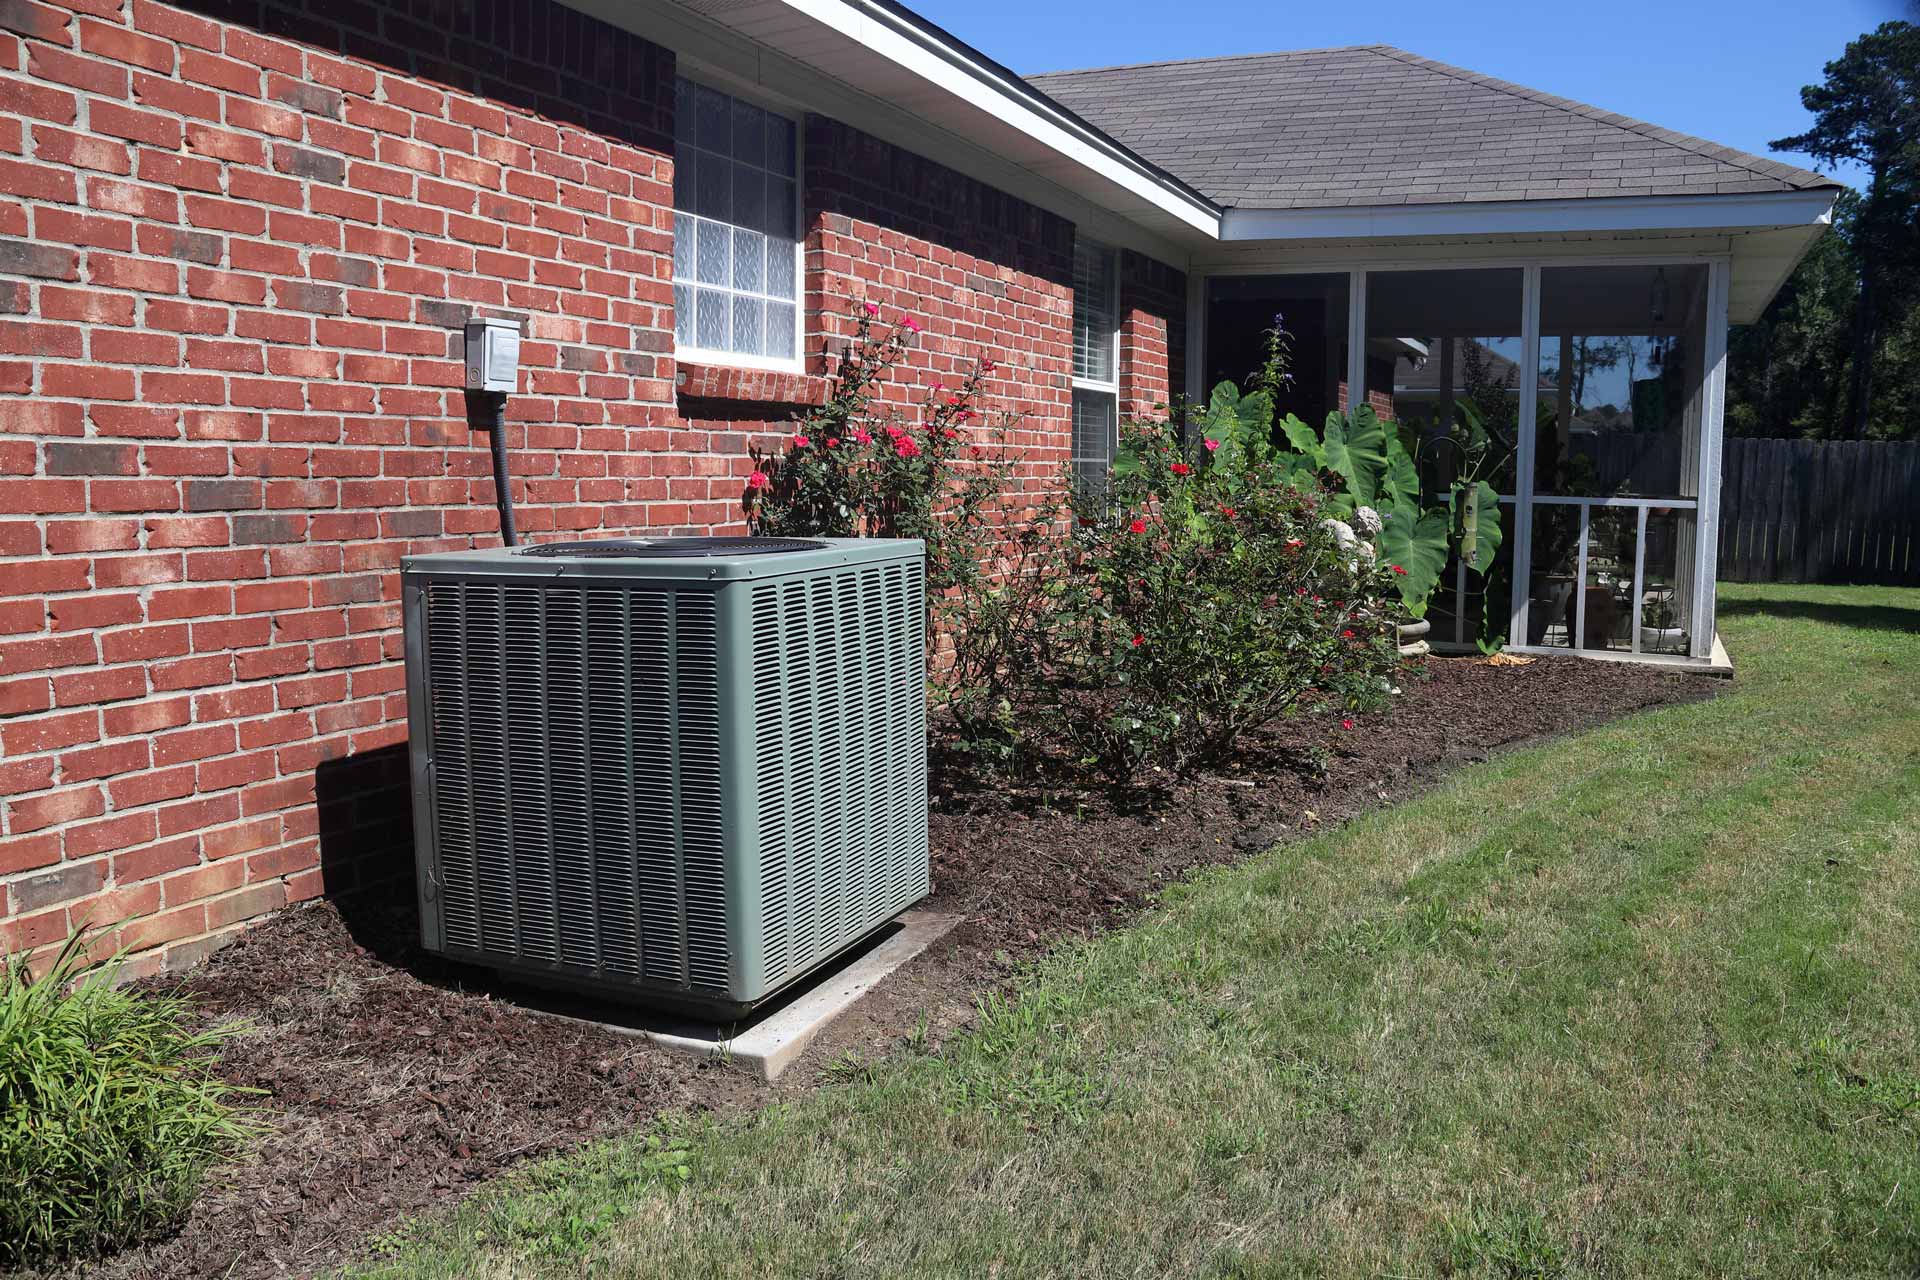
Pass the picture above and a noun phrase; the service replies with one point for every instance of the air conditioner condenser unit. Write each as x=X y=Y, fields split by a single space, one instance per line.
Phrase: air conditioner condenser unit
x=678 y=771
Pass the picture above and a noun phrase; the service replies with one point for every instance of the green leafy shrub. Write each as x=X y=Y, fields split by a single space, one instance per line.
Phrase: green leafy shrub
x=110 y=1115
x=1198 y=596
x=1206 y=596
x=861 y=467
x=1370 y=469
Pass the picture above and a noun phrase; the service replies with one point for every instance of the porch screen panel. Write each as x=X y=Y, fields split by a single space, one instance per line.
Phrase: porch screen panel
x=1443 y=360
x=1622 y=424
x=1311 y=309
x=1622 y=367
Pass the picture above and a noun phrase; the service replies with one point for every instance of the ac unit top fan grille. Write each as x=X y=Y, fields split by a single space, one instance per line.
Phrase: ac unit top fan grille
x=672 y=548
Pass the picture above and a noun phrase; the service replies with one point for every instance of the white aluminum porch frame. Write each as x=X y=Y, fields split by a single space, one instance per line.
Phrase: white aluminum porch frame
x=1706 y=505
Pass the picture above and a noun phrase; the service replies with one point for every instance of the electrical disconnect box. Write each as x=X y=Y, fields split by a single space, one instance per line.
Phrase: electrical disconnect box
x=493 y=355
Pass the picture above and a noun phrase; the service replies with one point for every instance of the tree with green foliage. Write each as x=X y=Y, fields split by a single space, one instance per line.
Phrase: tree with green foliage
x=1867 y=112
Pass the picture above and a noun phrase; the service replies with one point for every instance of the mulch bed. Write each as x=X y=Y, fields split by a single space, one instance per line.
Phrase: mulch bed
x=389 y=1088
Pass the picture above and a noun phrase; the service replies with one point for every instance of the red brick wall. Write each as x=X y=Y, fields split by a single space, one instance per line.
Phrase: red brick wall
x=1153 y=335
x=990 y=277
x=233 y=266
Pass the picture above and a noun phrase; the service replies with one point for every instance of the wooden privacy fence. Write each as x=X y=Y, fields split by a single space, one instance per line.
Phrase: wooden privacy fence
x=1820 y=511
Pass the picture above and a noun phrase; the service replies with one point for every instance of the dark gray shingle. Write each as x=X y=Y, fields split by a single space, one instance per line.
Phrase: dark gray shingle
x=1371 y=125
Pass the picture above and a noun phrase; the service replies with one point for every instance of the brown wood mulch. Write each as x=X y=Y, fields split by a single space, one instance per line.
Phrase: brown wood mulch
x=391 y=1087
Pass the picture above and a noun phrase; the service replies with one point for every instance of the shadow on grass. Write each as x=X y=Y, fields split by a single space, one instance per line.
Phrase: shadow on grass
x=1865 y=617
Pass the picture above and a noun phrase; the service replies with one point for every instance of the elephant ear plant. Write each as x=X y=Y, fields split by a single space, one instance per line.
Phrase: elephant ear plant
x=1370 y=471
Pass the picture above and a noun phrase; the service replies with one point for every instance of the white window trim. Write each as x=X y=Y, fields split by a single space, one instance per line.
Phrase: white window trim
x=1109 y=388
x=796 y=363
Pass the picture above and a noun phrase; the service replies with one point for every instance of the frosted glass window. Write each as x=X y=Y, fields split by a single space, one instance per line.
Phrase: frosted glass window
x=735 y=226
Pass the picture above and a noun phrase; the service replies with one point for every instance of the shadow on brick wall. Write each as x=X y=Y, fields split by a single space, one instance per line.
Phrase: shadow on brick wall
x=366 y=847
x=538 y=56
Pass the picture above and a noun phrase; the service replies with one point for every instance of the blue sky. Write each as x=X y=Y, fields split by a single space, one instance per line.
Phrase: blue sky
x=1726 y=70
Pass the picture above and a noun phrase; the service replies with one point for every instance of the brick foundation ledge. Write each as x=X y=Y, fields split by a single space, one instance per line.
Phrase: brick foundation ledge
x=750 y=386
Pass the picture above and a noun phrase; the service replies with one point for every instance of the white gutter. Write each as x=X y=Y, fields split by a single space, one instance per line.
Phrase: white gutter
x=1535 y=217
x=950 y=67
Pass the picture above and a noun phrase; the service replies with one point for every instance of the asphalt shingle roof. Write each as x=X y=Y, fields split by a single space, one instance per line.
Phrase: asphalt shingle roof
x=1374 y=125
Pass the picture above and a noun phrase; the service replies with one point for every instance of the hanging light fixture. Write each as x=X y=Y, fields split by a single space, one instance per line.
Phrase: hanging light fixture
x=1657 y=304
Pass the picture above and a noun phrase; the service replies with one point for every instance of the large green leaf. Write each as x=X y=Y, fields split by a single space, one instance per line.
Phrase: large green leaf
x=1243 y=424
x=1480 y=532
x=1356 y=447
x=1416 y=541
x=1401 y=482
x=1306 y=441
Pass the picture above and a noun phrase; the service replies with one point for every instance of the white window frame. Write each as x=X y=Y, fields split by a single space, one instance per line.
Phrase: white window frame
x=1093 y=386
x=796 y=363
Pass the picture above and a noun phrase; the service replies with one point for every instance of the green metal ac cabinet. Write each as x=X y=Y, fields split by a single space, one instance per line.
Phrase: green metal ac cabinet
x=677 y=771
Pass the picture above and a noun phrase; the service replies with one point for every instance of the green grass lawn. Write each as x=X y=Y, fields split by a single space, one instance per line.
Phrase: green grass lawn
x=1643 y=1002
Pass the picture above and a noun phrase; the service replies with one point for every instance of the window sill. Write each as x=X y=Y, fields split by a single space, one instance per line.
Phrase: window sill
x=736 y=385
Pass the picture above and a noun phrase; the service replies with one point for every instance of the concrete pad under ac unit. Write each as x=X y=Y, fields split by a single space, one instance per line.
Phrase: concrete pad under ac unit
x=769 y=1042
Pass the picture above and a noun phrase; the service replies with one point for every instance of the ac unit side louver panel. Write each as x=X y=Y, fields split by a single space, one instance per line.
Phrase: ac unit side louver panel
x=664 y=779
x=839 y=758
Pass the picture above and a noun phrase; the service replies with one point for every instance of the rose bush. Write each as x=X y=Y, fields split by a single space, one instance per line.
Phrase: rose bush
x=1204 y=597
x=1198 y=595
x=862 y=466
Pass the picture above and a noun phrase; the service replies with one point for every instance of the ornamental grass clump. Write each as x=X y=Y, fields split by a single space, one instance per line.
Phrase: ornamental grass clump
x=110 y=1114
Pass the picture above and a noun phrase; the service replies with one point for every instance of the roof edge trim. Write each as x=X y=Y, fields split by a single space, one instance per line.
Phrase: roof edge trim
x=1521 y=217
x=896 y=33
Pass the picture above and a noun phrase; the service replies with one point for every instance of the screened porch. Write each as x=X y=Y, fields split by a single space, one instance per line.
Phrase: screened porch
x=1599 y=382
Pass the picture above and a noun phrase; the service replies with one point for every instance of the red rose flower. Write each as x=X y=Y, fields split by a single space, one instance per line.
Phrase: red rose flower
x=1346 y=635
x=1138 y=641
x=1138 y=526
x=801 y=442
x=1402 y=572
x=1181 y=468
x=758 y=480
x=1346 y=724
x=1227 y=512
